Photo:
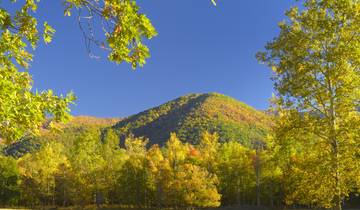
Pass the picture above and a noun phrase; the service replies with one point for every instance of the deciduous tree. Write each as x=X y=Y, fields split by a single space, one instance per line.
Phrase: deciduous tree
x=23 y=110
x=9 y=181
x=316 y=65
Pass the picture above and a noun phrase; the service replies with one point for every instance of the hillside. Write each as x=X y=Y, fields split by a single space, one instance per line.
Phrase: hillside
x=191 y=115
x=188 y=116
x=91 y=121
x=74 y=127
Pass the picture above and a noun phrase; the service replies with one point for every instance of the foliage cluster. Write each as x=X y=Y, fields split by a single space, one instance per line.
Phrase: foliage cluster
x=23 y=110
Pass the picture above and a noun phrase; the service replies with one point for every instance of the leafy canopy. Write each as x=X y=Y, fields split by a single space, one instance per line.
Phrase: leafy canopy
x=22 y=110
x=316 y=65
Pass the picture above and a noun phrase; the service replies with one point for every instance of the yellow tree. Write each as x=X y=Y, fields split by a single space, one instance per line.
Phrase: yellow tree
x=316 y=65
x=186 y=184
x=133 y=179
x=157 y=167
x=195 y=187
x=40 y=169
x=209 y=147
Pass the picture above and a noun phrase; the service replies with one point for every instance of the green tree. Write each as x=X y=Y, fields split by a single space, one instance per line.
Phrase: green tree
x=125 y=28
x=269 y=179
x=9 y=181
x=114 y=160
x=316 y=62
x=236 y=173
x=87 y=165
x=133 y=180
x=23 y=110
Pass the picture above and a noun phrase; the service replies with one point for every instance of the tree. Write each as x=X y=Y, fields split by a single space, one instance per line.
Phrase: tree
x=158 y=176
x=194 y=186
x=133 y=179
x=236 y=173
x=185 y=184
x=125 y=28
x=176 y=152
x=9 y=181
x=268 y=173
x=22 y=110
x=114 y=160
x=40 y=170
x=209 y=147
x=87 y=164
x=316 y=62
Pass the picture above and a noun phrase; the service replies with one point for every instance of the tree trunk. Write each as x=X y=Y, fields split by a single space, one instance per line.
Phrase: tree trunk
x=335 y=151
x=257 y=168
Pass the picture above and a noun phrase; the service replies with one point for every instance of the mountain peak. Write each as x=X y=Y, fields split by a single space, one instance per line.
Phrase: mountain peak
x=191 y=115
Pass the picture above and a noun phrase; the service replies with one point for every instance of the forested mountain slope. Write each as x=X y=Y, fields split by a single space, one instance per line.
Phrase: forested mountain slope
x=189 y=116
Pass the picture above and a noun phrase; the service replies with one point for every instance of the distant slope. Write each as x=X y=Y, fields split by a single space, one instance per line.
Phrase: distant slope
x=78 y=121
x=191 y=115
x=74 y=127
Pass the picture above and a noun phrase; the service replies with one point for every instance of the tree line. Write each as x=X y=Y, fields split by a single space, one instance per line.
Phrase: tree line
x=87 y=168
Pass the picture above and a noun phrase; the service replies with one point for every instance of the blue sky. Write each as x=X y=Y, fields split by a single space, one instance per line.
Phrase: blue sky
x=200 y=48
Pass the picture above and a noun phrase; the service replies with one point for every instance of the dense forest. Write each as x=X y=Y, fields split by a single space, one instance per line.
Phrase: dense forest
x=83 y=169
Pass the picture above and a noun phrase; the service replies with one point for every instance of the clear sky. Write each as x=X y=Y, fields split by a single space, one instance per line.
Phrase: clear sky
x=200 y=48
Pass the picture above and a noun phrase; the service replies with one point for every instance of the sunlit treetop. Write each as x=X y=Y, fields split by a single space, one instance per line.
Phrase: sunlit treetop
x=22 y=111
x=123 y=26
x=316 y=70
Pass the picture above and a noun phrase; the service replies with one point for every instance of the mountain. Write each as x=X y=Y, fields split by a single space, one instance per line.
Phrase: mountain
x=188 y=116
x=191 y=115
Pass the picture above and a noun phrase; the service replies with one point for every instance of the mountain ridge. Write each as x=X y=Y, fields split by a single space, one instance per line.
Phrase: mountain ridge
x=188 y=116
x=191 y=115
